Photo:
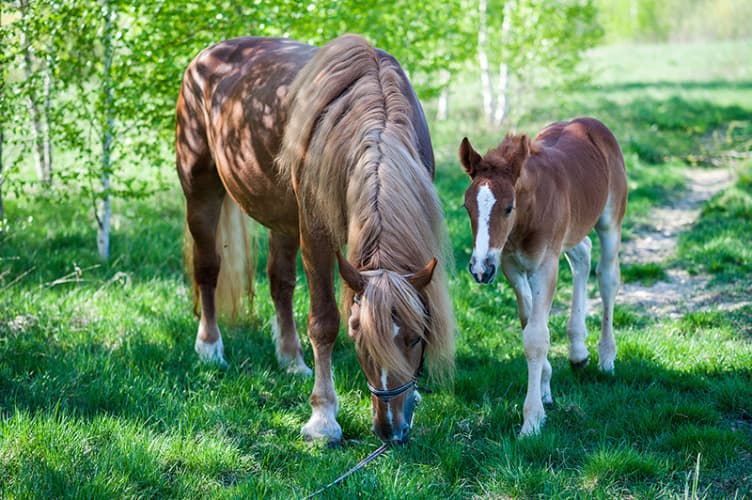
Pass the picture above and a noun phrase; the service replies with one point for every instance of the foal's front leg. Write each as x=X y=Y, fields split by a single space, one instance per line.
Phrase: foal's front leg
x=518 y=278
x=536 y=340
x=323 y=325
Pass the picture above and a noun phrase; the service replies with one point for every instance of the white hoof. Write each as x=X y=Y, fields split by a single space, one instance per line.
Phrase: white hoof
x=606 y=367
x=211 y=353
x=532 y=426
x=322 y=426
x=298 y=367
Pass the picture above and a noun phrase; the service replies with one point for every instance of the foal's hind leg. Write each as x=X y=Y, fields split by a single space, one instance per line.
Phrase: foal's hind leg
x=280 y=268
x=579 y=260
x=608 y=282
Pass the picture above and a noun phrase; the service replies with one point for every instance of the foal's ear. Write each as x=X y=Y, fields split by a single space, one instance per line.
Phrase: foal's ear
x=422 y=278
x=468 y=157
x=350 y=274
x=517 y=153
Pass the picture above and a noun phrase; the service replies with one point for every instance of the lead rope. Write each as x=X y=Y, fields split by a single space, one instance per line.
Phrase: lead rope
x=359 y=465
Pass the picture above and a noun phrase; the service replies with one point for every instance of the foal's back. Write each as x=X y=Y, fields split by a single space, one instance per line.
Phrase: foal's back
x=580 y=163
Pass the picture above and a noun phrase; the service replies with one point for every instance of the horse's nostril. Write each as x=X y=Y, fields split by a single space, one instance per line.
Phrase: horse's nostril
x=404 y=433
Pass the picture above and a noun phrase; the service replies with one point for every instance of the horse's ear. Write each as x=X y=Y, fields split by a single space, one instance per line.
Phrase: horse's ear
x=468 y=157
x=516 y=155
x=422 y=278
x=350 y=274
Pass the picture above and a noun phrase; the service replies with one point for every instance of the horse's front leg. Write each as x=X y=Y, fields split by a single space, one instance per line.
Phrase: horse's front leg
x=323 y=325
x=536 y=340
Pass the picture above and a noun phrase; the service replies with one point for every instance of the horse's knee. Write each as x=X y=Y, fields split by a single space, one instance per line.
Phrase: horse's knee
x=322 y=329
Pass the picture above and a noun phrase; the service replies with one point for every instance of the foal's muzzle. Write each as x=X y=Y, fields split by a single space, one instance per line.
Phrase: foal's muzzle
x=485 y=272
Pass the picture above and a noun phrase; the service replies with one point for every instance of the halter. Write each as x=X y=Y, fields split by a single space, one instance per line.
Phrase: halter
x=385 y=395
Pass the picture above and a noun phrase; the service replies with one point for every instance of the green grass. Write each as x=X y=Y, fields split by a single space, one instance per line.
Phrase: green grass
x=101 y=394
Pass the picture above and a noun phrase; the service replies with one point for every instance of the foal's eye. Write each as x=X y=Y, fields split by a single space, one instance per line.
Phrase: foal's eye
x=508 y=210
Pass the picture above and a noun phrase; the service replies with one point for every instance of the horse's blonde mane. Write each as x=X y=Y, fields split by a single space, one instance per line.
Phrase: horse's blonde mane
x=351 y=151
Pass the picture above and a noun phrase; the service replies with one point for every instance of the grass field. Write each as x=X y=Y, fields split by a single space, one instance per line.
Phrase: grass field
x=101 y=394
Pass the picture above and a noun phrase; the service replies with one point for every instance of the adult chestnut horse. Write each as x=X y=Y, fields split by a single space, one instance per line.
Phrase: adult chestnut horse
x=326 y=147
x=529 y=202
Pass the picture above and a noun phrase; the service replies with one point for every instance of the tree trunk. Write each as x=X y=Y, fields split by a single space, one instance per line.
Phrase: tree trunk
x=105 y=212
x=442 y=111
x=2 y=180
x=31 y=98
x=47 y=112
x=502 y=101
x=485 y=71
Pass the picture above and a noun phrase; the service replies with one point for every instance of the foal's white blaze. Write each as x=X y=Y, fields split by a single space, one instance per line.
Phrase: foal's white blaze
x=485 y=201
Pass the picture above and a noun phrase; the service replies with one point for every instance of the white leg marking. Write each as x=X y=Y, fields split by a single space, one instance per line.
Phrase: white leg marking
x=608 y=281
x=579 y=260
x=210 y=352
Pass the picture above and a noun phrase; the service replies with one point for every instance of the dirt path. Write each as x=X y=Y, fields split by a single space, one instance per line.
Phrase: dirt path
x=658 y=243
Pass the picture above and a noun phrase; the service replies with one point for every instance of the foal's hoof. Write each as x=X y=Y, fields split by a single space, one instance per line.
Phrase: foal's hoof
x=579 y=365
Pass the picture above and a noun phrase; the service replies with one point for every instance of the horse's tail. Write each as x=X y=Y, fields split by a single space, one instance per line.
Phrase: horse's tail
x=236 y=243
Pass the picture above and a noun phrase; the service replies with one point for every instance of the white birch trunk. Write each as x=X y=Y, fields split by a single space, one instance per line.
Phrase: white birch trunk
x=105 y=212
x=442 y=111
x=47 y=111
x=502 y=101
x=2 y=180
x=31 y=100
x=485 y=71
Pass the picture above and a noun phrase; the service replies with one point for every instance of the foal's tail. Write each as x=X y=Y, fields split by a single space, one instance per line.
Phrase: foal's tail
x=236 y=243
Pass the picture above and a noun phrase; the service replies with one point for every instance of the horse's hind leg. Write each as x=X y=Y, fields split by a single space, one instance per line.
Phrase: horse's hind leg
x=609 y=233
x=204 y=193
x=280 y=268
x=579 y=260
x=203 y=210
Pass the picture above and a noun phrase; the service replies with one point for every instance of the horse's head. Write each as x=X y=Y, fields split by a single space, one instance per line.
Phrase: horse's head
x=490 y=200
x=389 y=324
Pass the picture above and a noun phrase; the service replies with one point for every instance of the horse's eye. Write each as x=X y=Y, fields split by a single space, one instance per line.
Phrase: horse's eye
x=415 y=342
x=508 y=210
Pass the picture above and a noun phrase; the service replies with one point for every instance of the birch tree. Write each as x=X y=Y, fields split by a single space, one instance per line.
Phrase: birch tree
x=531 y=43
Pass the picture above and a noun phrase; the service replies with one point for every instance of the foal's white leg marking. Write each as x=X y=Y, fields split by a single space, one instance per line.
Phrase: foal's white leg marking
x=579 y=260
x=536 y=339
x=209 y=352
x=481 y=251
x=294 y=364
x=608 y=282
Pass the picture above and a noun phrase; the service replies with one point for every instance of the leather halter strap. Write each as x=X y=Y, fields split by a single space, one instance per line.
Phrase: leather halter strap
x=387 y=394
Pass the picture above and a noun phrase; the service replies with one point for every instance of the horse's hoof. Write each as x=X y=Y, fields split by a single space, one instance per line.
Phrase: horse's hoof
x=211 y=353
x=298 y=367
x=321 y=428
x=579 y=365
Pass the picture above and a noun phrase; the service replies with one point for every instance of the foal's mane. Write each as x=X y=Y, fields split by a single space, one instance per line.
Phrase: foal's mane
x=350 y=151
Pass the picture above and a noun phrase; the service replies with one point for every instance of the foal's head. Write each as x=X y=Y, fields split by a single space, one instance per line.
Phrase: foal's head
x=491 y=200
x=389 y=324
